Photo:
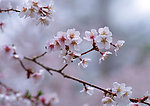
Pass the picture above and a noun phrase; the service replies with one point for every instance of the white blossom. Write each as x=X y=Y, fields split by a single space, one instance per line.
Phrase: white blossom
x=107 y=101
x=70 y=57
x=127 y=91
x=89 y=90
x=105 y=31
x=74 y=44
x=90 y=36
x=84 y=62
x=118 y=89
x=121 y=90
x=104 y=56
x=61 y=38
x=103 y=41
x=53 y=45
x=118 y=45
x=38 y=75
x=73 y=34
x=34 y=9
x=52 y=99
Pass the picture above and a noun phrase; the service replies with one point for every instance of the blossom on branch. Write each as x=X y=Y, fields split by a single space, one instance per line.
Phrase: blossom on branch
x=90 y=36
x=107 y=101
x=89 y=90
x=118 y=45
x=43 y=14
x=121 y=90
x=104 y=56
x=84 y=62
x=103 y=41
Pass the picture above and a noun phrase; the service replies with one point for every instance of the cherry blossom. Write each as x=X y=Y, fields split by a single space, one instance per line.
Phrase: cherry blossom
x=49 y=99
x=62 y=38
x=73 y=34
x=90 y=36
x=89 y=90
x=34 y=10
x=70 y=57
x=104 y=56
x=118 y=45
x=53 y=45
x=107 y=101
x=84 y=62
x=121 y=90
x=105 y=31
x=38 y=75
x=103 y=41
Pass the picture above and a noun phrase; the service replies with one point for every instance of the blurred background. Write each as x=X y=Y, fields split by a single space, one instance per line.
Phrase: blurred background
x=128 y=20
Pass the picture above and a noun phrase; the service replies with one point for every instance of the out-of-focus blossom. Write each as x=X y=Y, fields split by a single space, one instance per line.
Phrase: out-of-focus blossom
x=89 y=90
x=49 y=100
x=107 y=101
x=10 y=51
x=43 y=14
x=104 y=56
x=86 y=105
x=37 y=76
x=1 y=26
x=118 y=45
x=127 y=91
x=54 y=98
x=90 y=36
x=84 y=62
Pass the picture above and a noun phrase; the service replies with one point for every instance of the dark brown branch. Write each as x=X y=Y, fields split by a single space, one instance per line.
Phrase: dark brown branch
x=87 y=51
x=8 y=10
x=146 y=103
x=73 y=78
x=23 y=65
x=67 y=76
x=113 y=44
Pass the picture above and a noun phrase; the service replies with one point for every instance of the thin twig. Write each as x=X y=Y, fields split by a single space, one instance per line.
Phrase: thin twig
x=8 y=10
x=36 y=57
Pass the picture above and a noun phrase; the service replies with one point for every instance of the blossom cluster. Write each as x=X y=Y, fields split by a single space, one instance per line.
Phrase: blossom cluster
x=8 y=96
x=10 y=54
x=68 y=44
x=10 y=51
x=120 y=91
x=44 y=14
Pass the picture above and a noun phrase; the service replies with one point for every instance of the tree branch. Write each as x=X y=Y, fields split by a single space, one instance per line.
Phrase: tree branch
x=67 y=76
x=8 y=10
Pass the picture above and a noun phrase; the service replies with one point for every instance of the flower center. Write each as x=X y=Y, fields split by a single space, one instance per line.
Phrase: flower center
x=103 y=33
x=104 y=40
x=72 y=35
